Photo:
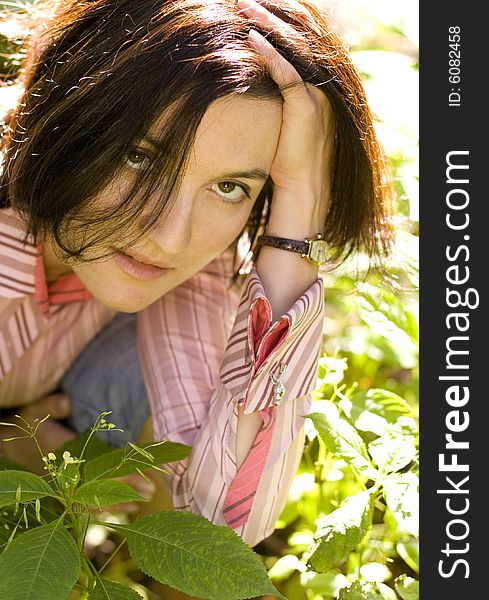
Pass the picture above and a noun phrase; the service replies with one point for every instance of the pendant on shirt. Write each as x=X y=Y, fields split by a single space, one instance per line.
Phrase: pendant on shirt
x=278 y=385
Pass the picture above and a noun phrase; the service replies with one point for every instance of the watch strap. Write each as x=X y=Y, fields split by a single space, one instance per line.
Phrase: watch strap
x=284 y=243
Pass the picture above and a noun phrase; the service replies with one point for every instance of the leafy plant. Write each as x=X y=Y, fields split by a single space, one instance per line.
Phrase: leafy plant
x=43 y=558
x=364 y=446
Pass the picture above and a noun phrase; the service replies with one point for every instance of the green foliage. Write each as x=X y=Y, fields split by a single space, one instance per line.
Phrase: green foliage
x=401 y=492
x=188 y=552
x=181 y=549
x=340 y=532
x=20 y=486
x=342 y=439
x=363 y=444
x=132 y=459
x=41 y=564
x=374 y=409
x=108 y=590
x=105 y=493
x=407 y=588
x=367 y=591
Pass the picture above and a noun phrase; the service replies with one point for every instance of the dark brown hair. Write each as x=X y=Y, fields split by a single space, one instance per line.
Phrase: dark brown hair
x=108 y=69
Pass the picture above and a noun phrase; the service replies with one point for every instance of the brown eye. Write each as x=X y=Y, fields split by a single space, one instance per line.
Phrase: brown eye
x=230 y=191
x=227 y=187
x=137 y=159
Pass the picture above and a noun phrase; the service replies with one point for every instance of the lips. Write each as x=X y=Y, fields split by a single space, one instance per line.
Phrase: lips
x=138 y=268
x=145 y=261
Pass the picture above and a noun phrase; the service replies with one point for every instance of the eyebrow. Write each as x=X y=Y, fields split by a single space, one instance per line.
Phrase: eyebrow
x=257 y=173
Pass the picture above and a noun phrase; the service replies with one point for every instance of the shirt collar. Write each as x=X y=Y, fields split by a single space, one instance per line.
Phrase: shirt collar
x=22 y=270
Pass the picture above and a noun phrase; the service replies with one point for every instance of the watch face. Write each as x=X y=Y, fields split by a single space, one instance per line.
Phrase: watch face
x=318 y=252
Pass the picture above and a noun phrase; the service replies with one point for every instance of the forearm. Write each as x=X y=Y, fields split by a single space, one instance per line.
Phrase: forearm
x=286 y=275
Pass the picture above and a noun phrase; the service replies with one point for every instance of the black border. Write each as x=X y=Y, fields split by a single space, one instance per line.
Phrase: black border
x=443 y=129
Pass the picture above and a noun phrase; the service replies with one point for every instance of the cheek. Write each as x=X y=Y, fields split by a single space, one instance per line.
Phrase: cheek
x=219 y=228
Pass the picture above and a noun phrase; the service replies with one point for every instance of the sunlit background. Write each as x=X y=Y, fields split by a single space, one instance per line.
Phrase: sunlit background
x=369 y=367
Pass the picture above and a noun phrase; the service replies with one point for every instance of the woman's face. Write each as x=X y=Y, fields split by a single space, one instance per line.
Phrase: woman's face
x=234 y=148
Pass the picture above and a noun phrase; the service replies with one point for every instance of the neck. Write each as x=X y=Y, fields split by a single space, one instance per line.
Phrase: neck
x=54 y=267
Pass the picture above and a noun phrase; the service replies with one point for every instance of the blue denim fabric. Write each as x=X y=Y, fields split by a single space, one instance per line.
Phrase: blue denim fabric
x=107 y=376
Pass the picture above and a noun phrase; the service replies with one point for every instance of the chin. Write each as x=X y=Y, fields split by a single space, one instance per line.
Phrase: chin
x=126 y=305
x=115 y=292
x=128 y=302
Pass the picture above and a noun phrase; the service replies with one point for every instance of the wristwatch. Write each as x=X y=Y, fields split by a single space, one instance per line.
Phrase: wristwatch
x=315 y=251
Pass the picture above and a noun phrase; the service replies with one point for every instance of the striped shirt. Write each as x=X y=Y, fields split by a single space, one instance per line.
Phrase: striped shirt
x=205 y=348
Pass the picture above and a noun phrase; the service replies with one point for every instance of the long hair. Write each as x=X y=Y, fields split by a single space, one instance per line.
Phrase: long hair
x=106 y=70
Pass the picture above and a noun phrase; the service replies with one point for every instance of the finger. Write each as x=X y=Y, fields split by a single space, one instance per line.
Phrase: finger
x=58 y=406
x=256 y=12
x=296 y=6
x=283 y=73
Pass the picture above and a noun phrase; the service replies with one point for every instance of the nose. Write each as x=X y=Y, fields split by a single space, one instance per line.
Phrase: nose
x=173 y=231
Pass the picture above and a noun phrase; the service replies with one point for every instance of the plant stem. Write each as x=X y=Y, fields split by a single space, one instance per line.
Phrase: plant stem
x=358 y=478
x=90 y=571
x=112 y=555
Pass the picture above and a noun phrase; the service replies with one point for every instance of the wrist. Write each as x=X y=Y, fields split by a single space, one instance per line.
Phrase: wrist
x=296 y=214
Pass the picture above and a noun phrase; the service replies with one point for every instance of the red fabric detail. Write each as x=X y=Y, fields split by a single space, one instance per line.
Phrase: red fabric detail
x=242 y=491
x=272 y=340
x=259 y=321
x=67 y=288
x=264 y=337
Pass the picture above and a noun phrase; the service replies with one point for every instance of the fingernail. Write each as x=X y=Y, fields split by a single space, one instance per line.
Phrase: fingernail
x=256 y=38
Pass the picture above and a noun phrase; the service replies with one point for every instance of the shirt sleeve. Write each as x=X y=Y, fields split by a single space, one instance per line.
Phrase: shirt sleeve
x=205 y=349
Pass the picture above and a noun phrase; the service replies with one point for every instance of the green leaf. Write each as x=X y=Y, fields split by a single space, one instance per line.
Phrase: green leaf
x=407 y=587
x=372 y=410
x=41 y=564
x=401 y=492
x=125 y=461
x=191 y=554
x=109 y=590
x=106 y=493
x=331 y=370
x=393 y=451
x=340 y=532
x=367 y=591
x=409 y=552
x=31 y=487
x=342 y=439
x=4 y=535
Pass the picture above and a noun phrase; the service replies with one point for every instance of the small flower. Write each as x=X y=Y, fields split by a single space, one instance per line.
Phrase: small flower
x=52 y=456
x=67 y=457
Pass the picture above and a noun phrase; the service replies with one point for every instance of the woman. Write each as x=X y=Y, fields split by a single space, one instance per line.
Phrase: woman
x=153 y=136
